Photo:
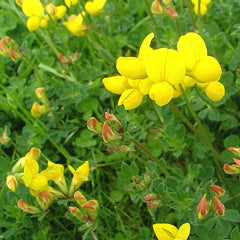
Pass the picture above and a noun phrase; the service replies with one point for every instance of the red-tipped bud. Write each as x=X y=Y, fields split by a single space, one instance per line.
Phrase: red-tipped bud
x=12 y=182
x=219 y=208
x=94 y=125
x=44 y=200
x=108 y=134
x=27 y=208
x=114 y=123
x=4 y=51
x=51 y=9
x=41 y=95
x=218 y=191
x=202 y=208
x=4 y=139
x=171 y=13
x=79 y=198
x=38 y=110
x=65 y=59
x=235 y=150
x=156 y=8
x=237 y=161
x=15 y=56
x=91 y=209
x=153 y=200
x=231 y=168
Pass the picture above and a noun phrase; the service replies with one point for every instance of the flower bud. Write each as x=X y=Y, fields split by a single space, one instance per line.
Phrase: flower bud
x=4 y=139
x=41 y=95
x=218 y=191
x=38 y=110
x=4 y=51
x=65 y=59
x=12 y=182
x=27 y=208
x=19 y=2
x=94 y=125
x=91 y=209
x=15 y=55
x=171 y=13
x=156 y=8
x=219 y=208
x=108 y=134
x=202 y=208
x=76 y=212
x=80 y=199
x=114 y=122
x=51 y=9
x=235 y=150
x=44 y=200
x=153 y=200
x=231 y=168
x=237 y=161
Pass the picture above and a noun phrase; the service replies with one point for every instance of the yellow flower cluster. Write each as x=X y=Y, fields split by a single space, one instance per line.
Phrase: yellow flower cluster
x=158 y=73
x=26 y=170
x=203 y=6
x=38 y=15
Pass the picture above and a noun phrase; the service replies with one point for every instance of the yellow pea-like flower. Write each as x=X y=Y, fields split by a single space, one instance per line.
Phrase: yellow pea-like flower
x=75 y=24
x=131 y=98
x=215 y=91
x=94 y=7
x=161 y=92
x=70 y=2
x=116 y=84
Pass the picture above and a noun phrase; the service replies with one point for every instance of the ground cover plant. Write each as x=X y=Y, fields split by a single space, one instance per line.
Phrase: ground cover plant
x=120 y=119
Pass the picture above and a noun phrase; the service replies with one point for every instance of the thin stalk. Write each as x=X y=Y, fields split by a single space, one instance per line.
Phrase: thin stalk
x=93 y=235
x=2 y=189
x=60 y=225
x=178 y=26
x=199 y=18
x=166 y=173
x=154 y=109
x=216 y=156
x=191 y=13
x=150 y=13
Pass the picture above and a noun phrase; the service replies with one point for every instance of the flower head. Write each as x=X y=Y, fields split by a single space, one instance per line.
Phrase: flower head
x=70 y=2
x=75 y=24
x=166 y=231
x=94 y=7
x=38 y=110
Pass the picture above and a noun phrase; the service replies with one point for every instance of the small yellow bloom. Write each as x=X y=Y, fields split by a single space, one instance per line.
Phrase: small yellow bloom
x=166 y=231
x=94 y=7
x=203 y=6
x=75 y=24
x=70 y=2
x=79 y=176
x=56 y=12
x=135 y=67
x=38 y=110
x=215 y=91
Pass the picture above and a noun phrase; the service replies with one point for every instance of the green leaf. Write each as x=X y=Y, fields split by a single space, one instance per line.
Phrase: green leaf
x=232 y=215
x=231 y=141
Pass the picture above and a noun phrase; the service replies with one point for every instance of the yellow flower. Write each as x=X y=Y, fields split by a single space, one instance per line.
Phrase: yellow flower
x=38 y=110
x=56 y=12
x=70 y=2
x=35 y=11
x=79 y=176
x=166 y=231
x=55 y=172
x=203 y=6
x=215 y=91
x=75 y=24
x=116 y=84
x=94 y=7
x=135 y=67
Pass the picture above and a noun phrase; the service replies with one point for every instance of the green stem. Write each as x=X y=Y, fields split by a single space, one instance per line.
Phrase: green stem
x=199 y=18
x=155 y=111
x=189 y=4
x=2 y=189
x=218 y=160
x=93 y=235
x=166 y=173
x=150 y=13
x=178 y=26
x=60 y=225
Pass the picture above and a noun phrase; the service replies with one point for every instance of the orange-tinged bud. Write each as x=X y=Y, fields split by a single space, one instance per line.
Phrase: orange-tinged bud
x=51 y=9
x=27 y=208
x=38 y=110
x=218 y=191
x=15 y=55
x=156 y=8
x=4 y=51
x=19 y=2
x=172 y=13
x=94 y=125
x=66 y=59
x=108 y=134
x=80 y=199
x=44 y=200
x=153 y=200
x=235 y=150
x=114 y=122
x=41 y=95
x=219 y=207
x=237 y=161
x=12 y=182
x=202 y=208
x=231 y=168
x=76 y=212
x=91 y=209
x=4 y=139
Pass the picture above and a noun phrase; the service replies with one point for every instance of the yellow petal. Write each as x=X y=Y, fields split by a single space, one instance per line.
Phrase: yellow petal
x=203 y=9
x=61 y=10
x=116 y=84
x=165 y=231
x=215 y=91
x=134 y=82
x=202 y=1
x=130 y=98
x=145 y=85
x=183 y=232
x=145 y=46
x=32 y=8
x=38 y=184
x=207 y=70
x=100 y=3
x=131 y=67
x=161 y=93
x=91 y=8
x=30 y=170
x=165 y=65
x=192 y=48
x=33 y=23
x=188 y=82
x=84 y=170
